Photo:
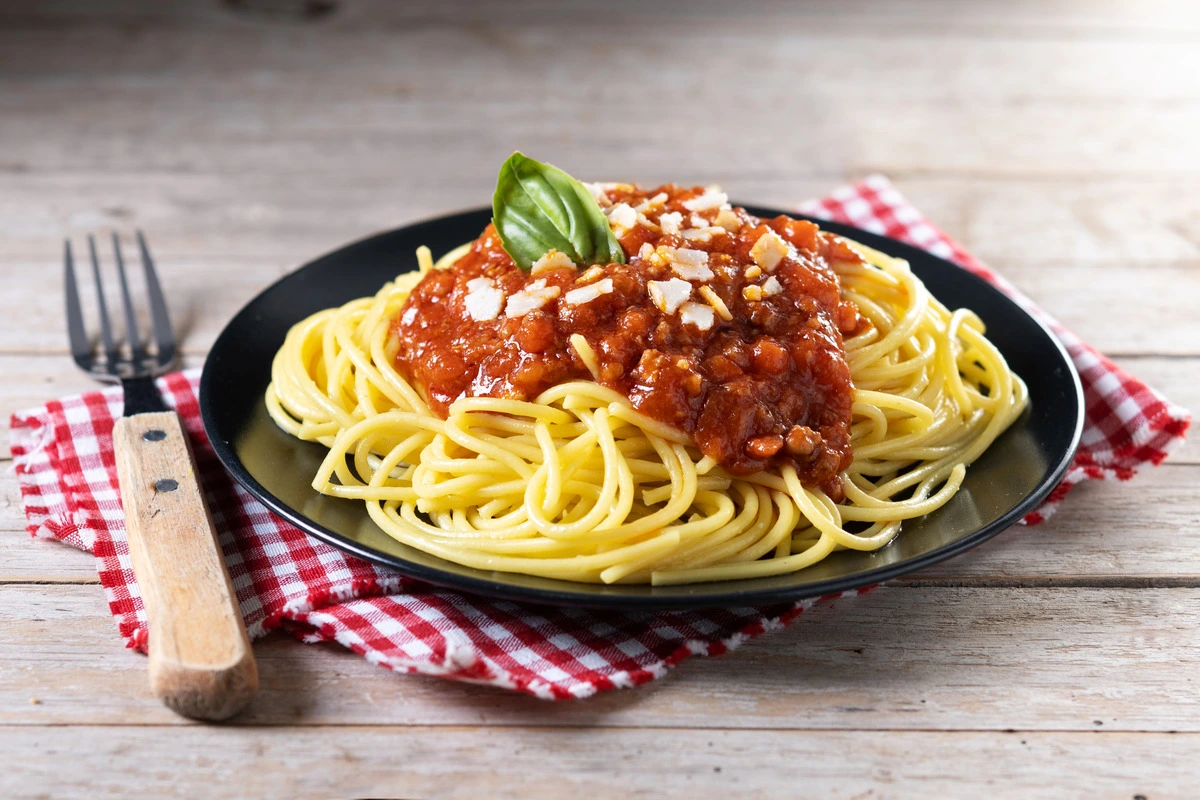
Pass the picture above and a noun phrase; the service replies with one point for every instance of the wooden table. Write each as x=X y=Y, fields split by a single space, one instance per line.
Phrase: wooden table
x=1059 y=141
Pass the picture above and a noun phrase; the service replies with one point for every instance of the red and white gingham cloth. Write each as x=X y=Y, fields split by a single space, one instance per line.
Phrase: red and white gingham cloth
x=64 y=461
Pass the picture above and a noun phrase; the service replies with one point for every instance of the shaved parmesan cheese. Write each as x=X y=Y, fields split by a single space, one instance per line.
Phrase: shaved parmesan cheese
x=646 y=222
x=586 y=294
x=698 y=221
x=646 y=250
x=650 y=203
x=769 y=250
x=772 y=286
x=689 y=264
x=669 y=295
x=671 y=223
x=683 y=255
x=483 y=301
x=712 y=198
x=622 y=217
x=714 y=300
x=693 y=273
x=697 y=314
x=702 y=234
x=531 y=298
x=590 y=274
x=729 y=220
x=552 y=260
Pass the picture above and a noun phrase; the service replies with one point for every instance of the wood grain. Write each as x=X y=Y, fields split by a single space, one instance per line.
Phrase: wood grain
x=1054 y=140
x=1157 y=19
x=469 y=762
x=210 y=290
x=229 y=85
x=962 y=658
x=285 y=218
x=200 y=660
x=1108 y=534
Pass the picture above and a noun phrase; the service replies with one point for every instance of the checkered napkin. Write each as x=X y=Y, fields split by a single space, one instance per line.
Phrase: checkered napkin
x=64 y=461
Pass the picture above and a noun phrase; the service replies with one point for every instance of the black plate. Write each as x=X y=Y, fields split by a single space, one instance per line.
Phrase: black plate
x=1010 y=479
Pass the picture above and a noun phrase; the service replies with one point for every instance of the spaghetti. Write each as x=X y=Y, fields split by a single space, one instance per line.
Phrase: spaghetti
x=578 y=483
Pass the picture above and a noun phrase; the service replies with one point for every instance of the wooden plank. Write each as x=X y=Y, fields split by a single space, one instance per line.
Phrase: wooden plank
x=1159 y=19
x=1106 y=533
x=202 y=295
x=32 y=379
x=1003 y=67
x=899 y=658
x=40 y=561
x=205 y=292
x=1054 y=140
x=286 y=218
x=533 y=763
x=239 y=133
x=1130 y=534
x=234 y=88
x=1149 y=316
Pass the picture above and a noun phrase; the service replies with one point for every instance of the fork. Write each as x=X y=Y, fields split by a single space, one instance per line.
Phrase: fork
x=201 y=665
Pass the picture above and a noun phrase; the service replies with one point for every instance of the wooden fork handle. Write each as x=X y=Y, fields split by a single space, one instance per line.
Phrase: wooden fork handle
x=200 y=660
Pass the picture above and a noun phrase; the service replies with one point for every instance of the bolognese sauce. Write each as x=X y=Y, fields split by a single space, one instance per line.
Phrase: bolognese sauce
x=721 y=324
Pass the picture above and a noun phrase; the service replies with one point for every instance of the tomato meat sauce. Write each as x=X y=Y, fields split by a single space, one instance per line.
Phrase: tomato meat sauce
x=721 y=324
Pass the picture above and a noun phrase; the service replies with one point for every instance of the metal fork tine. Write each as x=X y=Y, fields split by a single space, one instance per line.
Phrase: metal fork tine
x=131 y=331
x=76 y=331
x=106 y=333
x=159 y=319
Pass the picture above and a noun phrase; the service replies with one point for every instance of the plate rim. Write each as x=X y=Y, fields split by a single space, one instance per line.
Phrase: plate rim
x=732 y=597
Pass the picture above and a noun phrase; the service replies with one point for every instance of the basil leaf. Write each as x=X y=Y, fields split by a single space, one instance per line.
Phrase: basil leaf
x=538 y=207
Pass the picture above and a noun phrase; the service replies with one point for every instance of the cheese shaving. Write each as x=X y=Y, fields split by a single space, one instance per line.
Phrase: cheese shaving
x=689 y=264
x=671 y=222
x=716 y=302
x=551 y=260
x=701 y=316
x=669 y=295
x=712 y=198
x=531 y=298
x=622 y=217
x=728 y=219
x=769 y=250
x=590 y=274
x=484 y=300
x=586 y=294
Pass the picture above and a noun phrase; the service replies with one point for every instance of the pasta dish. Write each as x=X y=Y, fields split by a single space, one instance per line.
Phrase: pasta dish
x=623 y=384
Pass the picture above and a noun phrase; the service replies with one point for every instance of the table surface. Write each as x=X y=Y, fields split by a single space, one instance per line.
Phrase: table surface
x=1057 y=140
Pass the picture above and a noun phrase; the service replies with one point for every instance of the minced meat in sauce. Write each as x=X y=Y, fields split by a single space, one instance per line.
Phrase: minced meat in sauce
x=768 y=386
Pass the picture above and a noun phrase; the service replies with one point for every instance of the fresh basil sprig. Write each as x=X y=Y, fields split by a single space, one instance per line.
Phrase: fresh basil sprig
x=538 y=207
